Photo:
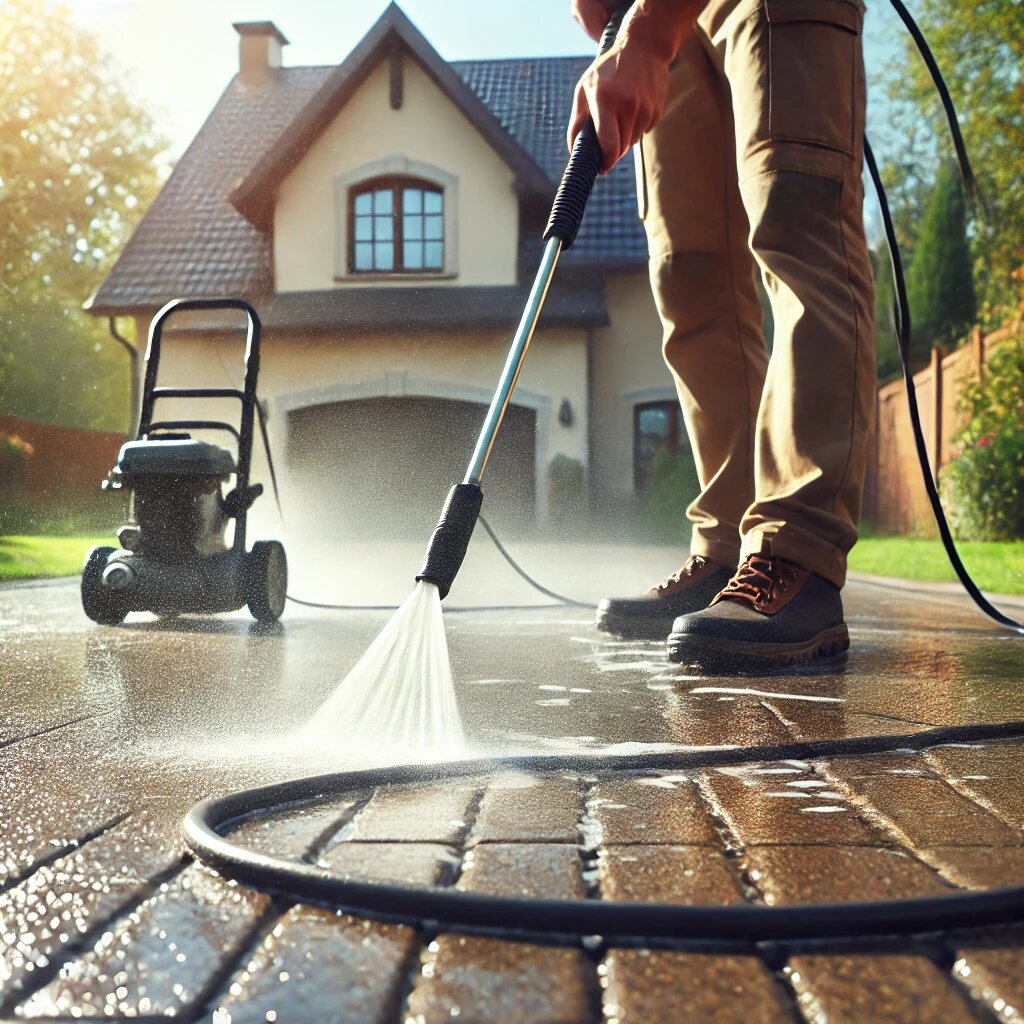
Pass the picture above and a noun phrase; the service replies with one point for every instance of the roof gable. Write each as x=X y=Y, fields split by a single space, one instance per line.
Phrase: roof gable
x=254 y=196
x=193 y=241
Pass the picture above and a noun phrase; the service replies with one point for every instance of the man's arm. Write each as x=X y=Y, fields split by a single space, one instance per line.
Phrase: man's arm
x=625 y=90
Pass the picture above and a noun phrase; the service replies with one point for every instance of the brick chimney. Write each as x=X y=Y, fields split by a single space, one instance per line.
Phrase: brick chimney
x=259 y=50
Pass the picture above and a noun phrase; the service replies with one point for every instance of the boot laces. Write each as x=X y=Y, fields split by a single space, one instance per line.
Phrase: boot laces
x=693 y=564
x=758 y=579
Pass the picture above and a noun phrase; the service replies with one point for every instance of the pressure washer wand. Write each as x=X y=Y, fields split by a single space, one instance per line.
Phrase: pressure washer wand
x=450 y=539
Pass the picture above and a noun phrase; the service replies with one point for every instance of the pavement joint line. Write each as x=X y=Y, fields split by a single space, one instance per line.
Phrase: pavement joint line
x=74 y=845
x=1002 y=938
x=965 y=791
x=891 y=718
x=904 y=843
x=420 y=953
x=331 y=835
x=873 y=817
x=591 y=841
x=972 y=798
x=985 y=1013
x=42 y=976
x=590 y=876
x=790 y=727
x=201 y=1007
x=53 y=728
x=734 y=851
x=782 y=976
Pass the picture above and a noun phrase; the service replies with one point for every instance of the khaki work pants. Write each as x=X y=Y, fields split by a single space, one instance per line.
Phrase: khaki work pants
x=756 y=165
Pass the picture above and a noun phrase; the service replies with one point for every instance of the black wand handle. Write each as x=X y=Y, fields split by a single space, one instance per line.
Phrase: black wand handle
x=584 y=163
x=450 y=539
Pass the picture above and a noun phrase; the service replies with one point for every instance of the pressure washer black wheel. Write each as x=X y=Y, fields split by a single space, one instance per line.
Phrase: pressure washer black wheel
x=266 y=580
x=100 y=603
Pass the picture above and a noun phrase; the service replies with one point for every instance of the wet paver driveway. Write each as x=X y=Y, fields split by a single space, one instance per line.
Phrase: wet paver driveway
x=109 y=736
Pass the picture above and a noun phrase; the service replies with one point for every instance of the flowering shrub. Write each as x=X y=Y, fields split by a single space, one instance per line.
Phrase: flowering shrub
x=14 y=449
x=14 y=454
x=983 y=486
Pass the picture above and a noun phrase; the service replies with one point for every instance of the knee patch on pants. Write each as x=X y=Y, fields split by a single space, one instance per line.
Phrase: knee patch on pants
x=796 y=227
x=692 y=289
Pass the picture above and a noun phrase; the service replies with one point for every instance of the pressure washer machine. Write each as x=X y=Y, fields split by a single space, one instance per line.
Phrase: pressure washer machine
x=175 y=555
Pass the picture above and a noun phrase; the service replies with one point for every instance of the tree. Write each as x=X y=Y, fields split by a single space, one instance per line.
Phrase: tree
x=979 y=45
x=940 y=281
x=79 y=161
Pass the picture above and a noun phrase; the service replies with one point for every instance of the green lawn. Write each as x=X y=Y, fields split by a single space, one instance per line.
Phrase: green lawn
x=997 y=567
x=23 y=558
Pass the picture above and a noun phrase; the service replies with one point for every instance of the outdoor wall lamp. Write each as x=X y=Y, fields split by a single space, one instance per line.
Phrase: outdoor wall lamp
x=565 y=416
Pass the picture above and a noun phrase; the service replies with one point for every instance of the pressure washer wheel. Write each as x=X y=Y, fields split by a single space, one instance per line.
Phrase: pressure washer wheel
x=101 y=603
x=266 y=580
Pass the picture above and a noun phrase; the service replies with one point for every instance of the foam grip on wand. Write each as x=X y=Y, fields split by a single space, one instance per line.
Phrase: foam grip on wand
x=450 y=539
x=584 y=164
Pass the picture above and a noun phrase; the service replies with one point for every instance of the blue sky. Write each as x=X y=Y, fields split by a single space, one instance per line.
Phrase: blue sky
x=179 y=63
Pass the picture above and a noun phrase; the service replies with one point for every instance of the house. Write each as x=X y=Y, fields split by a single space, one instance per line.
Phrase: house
x=385 y=218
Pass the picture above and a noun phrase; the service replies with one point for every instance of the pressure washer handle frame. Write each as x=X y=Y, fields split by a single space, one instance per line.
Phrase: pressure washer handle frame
x=246 y=396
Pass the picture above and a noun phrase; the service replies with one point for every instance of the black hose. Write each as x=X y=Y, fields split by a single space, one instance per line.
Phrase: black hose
x=627 y=922
x=901 y=312
x=953 y=122
x=570 y=920
x=560 y=598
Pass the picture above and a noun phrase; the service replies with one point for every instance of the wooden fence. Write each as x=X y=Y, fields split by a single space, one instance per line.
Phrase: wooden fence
x=895 y=500
x=66 y=467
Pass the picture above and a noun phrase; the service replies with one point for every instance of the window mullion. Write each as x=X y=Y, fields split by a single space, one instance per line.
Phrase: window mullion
x=397 y=229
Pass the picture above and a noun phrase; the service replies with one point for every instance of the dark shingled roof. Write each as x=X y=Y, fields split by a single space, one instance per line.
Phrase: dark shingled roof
x=193 y=242
x=532 y=97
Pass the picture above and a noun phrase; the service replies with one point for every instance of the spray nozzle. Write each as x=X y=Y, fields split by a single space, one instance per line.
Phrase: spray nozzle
x=450 y=539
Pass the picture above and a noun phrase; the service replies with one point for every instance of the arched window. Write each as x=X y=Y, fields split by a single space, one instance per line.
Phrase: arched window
x=396 y=226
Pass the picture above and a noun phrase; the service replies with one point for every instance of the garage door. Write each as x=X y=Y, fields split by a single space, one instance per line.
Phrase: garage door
x=382 y=466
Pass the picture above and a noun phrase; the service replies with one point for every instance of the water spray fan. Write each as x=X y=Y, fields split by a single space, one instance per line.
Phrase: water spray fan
x=450 y=539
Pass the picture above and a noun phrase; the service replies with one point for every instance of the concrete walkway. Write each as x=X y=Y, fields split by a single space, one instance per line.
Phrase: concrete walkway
x=109 y=735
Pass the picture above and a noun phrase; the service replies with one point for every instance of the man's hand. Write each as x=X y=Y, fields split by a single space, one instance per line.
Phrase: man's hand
x=625 y=90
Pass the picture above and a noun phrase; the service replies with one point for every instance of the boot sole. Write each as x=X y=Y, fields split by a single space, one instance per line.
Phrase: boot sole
x=633 y=629
x=712 y=652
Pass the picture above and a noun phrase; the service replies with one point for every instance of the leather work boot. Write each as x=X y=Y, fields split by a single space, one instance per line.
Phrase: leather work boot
x=772 y=612
x=650 y=616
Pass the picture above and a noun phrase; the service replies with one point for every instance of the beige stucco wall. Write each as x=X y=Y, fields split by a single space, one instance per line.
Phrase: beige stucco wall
x=427 y=129
x=298 y=372
x=627 y=369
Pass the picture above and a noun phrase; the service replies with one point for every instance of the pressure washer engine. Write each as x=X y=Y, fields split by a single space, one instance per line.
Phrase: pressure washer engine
x=175 y=553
